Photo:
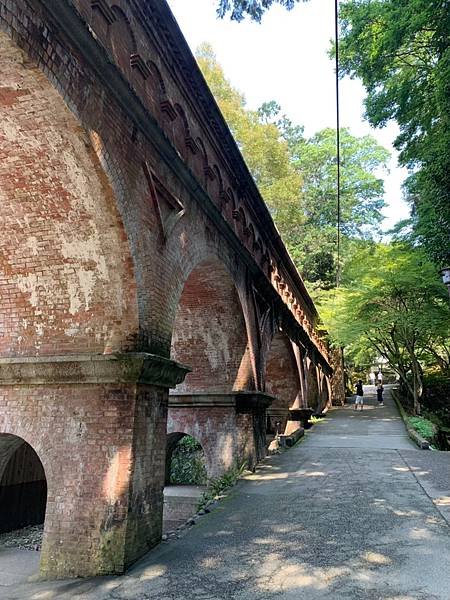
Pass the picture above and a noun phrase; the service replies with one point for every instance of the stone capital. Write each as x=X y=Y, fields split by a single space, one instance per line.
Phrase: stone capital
x=133 y=368
x=241 y=402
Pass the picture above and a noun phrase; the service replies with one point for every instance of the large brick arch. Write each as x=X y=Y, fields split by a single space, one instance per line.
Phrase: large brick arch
x=209 y=332
x=282 y=380
x=68 y=283
x=312 y=384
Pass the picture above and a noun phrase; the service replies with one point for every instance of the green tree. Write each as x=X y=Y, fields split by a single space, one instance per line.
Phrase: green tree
x=265 y=152
x=239 y=9
x=392 y=302
x=362 y=191
x=400 y=49
x=297 y=176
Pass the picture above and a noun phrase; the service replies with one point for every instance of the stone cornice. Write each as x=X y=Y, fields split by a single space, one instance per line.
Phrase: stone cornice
x=196 y=87
x=82 y=369
x=242 y=402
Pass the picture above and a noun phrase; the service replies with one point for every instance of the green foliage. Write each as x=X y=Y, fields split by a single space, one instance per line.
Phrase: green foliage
x=297 y=177
x=314 y=420
x=255 y=9
x=393 y=303
x=400 y=49
x=188 y=463
x=217 y=486
x=424 y=427
x=436 y=400
x=313 y=243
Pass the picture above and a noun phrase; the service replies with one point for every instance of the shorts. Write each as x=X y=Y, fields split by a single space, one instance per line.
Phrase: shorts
x=359 y=399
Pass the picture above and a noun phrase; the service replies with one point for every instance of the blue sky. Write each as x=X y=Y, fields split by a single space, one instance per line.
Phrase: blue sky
x=285 y=59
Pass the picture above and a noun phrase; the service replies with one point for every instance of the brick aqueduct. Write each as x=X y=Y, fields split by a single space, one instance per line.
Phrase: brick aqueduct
x=133 y=242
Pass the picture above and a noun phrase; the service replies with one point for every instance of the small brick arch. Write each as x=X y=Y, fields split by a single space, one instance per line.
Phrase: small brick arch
x=23 y=484
x=182 y=133
x=158 y=80
x=171 y=442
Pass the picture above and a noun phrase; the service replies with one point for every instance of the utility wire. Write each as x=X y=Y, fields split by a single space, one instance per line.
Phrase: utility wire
x=338 y=141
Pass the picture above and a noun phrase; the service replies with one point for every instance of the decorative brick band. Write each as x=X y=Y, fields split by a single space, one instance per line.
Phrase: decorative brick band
x=242 y=402
x=133 y=367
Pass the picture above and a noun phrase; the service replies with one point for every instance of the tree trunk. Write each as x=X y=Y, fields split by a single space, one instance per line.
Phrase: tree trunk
x=417 y=385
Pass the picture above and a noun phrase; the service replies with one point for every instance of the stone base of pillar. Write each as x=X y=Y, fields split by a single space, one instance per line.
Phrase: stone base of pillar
x=291 y=427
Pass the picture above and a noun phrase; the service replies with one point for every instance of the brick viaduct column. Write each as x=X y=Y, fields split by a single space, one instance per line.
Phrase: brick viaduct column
x=98 y=424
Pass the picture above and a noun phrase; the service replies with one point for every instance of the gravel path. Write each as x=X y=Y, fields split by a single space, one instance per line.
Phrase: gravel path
x=28 y=538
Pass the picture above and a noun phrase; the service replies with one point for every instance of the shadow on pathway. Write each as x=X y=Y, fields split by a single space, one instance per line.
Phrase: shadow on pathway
x=353 y=512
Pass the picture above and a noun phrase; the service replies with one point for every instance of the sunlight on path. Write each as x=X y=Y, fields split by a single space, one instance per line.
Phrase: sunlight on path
x=354 y=512
x=374 y=427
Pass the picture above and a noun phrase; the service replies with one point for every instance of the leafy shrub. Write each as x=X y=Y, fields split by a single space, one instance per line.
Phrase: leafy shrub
x=188 y=463
x=424 y=427
x=217 y=486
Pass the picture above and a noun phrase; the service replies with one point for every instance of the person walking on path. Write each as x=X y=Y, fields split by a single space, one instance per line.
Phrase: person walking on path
x=372 y=377
x=359 y=399
x=380 y=390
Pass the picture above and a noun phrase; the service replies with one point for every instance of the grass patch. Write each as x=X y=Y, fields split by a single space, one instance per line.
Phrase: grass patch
x=216 y=487
x=424 y=427
x=314 y=420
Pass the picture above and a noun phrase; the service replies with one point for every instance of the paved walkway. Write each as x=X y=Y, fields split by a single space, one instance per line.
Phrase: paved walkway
x=355 y=512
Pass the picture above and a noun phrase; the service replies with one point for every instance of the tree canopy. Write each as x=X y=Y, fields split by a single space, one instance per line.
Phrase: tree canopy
x=393 y=303
x=400 y=49
x=239 y=9
x=296 y=176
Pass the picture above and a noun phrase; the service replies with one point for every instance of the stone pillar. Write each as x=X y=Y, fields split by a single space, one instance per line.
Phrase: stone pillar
x=98 y=424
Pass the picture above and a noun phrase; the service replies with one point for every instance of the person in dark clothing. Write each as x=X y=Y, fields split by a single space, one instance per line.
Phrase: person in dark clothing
x=359 y=399
x=380 y=390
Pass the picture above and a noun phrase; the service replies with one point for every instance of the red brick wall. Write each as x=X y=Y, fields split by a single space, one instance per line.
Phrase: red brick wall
x=209 y=333
x=214 y=428
x=66 y=283
x=110 y=170
x=84 y=266
x=226 y=438
x=282 y=379
x=102 y=449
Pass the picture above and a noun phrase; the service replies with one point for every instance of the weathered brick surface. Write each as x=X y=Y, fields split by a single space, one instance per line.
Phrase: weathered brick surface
x=312 y=387
x=66 y=278
x=282 y=379
x=102 y=448
x=117 y=180
x=209 y=331
x=227 y=438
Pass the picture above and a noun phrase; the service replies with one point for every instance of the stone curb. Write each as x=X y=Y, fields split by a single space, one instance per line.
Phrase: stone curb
x=288 y=441
x=413 y=434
